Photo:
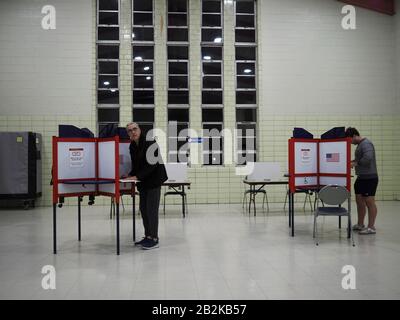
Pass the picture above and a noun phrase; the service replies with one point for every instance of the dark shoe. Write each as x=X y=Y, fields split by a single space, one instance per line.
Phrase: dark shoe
x=140 y=243
x=150 y=244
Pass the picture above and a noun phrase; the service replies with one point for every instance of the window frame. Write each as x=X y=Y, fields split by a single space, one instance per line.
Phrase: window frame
x=178 y=139
x=203 y=27
x=141 y=105
x=107 y=25
x=133 y=25
x=114 y=43
x=253 y=106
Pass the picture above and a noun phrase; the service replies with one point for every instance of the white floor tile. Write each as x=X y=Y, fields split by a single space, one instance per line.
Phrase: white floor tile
x=216 y=252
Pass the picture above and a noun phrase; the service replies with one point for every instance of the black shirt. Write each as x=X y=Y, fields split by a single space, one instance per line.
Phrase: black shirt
x=150 y=169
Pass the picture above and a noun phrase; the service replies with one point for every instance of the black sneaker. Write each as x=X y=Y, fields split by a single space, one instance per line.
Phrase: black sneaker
x=150 y=244
x=140 y=243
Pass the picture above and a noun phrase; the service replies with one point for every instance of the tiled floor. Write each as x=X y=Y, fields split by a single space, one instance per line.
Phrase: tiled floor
x=217 y=252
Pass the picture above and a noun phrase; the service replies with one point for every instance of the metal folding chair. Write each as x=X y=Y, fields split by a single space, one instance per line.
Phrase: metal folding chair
x=265 y=198
x=333 y=196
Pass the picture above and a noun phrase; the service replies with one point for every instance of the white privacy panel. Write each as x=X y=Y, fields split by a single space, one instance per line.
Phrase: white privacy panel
x=265 y=171
x=305 y=157
x=109 y=187
x=340 y=181
x=176 y=171
x=305 y=181
x=107 y=160
x=76 y=160
x=125 y=163
x=125 y=186
x=333 y=157
x=75 y=188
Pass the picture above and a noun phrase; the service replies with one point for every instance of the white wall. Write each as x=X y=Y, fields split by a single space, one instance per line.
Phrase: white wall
x=45 y=71
x=311 y=65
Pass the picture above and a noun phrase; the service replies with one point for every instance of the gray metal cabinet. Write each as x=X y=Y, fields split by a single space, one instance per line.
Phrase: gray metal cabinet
x=20 y=167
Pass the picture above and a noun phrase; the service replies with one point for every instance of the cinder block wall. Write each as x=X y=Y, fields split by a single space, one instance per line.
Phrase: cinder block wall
x=311 y=73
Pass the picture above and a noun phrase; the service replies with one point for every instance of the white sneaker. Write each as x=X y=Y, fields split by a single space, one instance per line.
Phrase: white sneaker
x=358 y=227
x=368 y=231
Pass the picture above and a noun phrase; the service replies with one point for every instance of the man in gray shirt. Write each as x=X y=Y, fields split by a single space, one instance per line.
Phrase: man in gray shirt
x=366 y=182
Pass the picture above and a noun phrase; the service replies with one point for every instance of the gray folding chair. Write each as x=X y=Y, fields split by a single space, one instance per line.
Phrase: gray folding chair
x=333 y=196
x=265 y=198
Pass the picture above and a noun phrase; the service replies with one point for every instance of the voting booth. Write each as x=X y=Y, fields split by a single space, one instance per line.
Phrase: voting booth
x=85 y=166
x=89 y=167
x=315 y=163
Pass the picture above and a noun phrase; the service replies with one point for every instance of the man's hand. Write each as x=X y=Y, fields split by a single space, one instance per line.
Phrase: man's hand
x=353 y=163
x=131 y=178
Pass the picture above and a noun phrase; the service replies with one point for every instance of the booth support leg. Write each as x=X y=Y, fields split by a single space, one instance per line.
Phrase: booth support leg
x=79 y=218
x=340 y=222
x=250 y=200
x=254 y=199
x=133 y=217
x=183 y=201
x=289 y=195
x=55 y=228
x=292 y=220
x=117 y=228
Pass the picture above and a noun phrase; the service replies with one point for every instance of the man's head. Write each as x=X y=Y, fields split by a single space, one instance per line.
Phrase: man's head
x=354 y=135
x=134 y=131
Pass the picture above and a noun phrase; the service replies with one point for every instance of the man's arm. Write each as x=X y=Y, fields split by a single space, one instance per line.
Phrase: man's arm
x=149 y=165
x=133 y=169
x=367 y=156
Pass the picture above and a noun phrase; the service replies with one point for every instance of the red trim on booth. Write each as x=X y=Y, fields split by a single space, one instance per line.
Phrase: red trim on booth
x=107 y=139
x=96 y=172
x=340 y=175
x=77 y=194
x=348 y=164
x=76 y=139
x=291 y=165
x=298 y=175
x=76 y=179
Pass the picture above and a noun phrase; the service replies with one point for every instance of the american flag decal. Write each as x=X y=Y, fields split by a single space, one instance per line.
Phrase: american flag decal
x=332 y=157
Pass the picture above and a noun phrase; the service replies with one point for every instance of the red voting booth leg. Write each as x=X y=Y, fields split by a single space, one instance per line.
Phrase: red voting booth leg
x=117 y=227
x=54 y=228
x=183 y=201
x=292 y=209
